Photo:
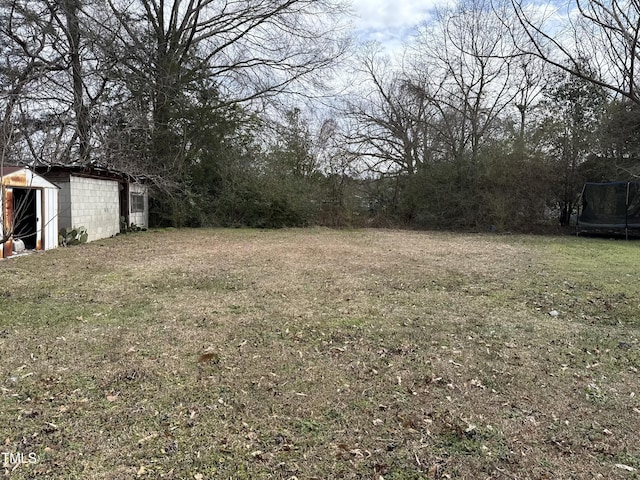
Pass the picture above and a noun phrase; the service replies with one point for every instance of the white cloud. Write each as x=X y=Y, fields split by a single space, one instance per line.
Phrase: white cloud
x=391 y=21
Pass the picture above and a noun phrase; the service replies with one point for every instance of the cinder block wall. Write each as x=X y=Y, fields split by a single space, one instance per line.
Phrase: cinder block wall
x=95 y=204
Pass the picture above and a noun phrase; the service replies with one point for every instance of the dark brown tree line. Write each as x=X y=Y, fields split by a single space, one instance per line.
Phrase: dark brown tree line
x=492 y=118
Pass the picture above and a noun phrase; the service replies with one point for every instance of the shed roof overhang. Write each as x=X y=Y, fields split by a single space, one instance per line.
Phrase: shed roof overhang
x=23 y=177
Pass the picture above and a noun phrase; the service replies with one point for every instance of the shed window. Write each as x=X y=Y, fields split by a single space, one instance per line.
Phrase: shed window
x=137 y=203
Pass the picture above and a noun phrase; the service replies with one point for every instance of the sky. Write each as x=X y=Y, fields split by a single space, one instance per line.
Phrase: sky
x=391 y=21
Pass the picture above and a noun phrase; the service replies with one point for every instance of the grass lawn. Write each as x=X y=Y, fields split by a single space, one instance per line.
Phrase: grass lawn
x=322 y=354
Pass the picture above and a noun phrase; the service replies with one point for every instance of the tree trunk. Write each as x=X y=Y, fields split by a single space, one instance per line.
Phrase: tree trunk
x=71 y=8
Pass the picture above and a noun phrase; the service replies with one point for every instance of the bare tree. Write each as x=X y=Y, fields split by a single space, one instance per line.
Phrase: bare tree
x=241 y=50
x=22 y=45
x=62 y=79
x=444 y=123
x=442 y=104
x=149 y=59
x=25 y=60
x=390 y=117
x=531 y=80
x=467 y=54
x=605 y=33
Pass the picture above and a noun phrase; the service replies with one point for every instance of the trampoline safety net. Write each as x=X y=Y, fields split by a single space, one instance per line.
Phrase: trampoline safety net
x=613 y=205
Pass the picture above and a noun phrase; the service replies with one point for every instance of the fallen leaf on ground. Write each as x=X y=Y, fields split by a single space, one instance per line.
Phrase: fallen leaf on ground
x=209 y=357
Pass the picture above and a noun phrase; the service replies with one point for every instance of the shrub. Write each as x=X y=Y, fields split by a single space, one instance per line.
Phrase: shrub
x=72 y=236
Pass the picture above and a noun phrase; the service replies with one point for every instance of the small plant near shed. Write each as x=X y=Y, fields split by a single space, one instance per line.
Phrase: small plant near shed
x=72 y=236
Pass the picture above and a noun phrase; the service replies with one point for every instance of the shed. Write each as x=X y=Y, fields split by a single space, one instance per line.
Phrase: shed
x=28 y=210
x=99 y=199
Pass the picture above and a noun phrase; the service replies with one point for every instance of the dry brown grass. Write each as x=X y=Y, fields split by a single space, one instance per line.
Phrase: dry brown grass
x=322 y=354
